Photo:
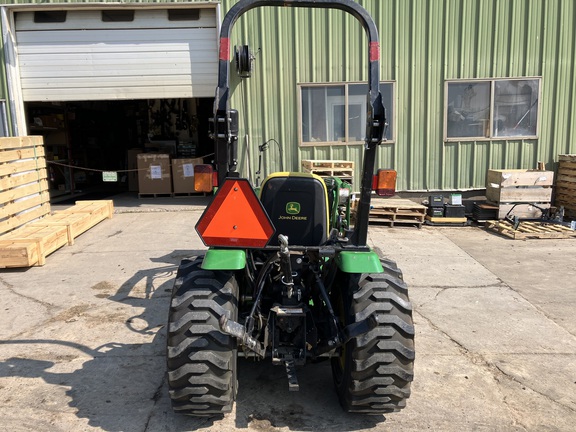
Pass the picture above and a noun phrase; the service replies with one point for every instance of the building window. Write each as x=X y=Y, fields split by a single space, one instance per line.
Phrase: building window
x=49 y=16
x=183 y=14
x=492 y=109
x=118 y=15
x=336 y=113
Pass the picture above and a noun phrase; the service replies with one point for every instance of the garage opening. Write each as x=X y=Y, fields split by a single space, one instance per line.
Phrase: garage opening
x=86 y=142
x=102 y=85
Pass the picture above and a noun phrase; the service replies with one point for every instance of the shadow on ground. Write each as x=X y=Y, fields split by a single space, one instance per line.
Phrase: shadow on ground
x=122 y=386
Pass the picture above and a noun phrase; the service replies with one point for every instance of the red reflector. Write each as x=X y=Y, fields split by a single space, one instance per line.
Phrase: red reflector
x=235 y=218
x=374 y=51
x=224 y=48
x=385 y=182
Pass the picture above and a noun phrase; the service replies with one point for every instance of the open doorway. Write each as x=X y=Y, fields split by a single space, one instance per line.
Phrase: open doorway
x=85 y=139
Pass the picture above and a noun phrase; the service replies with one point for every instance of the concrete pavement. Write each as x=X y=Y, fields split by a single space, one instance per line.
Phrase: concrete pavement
x=82 y=339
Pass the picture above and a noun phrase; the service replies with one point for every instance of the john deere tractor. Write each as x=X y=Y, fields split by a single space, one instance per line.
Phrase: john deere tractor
x=286 y=277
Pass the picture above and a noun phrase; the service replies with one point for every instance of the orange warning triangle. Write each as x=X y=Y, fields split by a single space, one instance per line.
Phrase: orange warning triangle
x=235 y=218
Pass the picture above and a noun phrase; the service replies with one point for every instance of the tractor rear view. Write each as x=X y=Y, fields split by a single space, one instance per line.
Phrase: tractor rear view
x=286 y=277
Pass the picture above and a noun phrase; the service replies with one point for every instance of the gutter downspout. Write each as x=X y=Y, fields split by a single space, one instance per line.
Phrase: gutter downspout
x=15 y=110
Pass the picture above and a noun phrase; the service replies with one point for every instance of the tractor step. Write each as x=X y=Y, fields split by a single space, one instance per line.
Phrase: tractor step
x=291 y=373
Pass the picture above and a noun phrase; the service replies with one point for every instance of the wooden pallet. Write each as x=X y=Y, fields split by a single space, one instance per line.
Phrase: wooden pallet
x=327 y=164
x=30 y=245
x=187 y=194
x=397 y=212
x=155 y=195
x=566 y=185
x=530 y=230
x=344 y=170
x=448 y=221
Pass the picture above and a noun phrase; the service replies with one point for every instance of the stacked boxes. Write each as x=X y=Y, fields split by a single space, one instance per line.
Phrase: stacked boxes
x=160 y=175
x=154 y=176
x=436 y=206
x=183 y=174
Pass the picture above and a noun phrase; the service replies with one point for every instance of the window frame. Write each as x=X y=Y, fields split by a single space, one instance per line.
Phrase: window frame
x=492 y=83
x=346 y=84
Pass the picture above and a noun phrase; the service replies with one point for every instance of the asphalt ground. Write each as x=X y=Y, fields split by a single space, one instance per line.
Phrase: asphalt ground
x=82 y=339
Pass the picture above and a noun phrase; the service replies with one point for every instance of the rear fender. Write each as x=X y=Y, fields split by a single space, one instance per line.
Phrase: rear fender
x=224 y=259
x=359 y=262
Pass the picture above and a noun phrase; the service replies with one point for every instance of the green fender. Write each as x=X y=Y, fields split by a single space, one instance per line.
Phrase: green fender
x=224 y=259
x=359 y=262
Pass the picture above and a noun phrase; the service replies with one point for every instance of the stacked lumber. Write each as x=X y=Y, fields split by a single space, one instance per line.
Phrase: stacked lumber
x=344 y=170
x=30 y=244
x=24 y=193
x=566 y=185
x=521 y=193
x=28 y=230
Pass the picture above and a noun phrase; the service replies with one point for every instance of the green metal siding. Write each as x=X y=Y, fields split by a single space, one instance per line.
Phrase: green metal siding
x=423 y=44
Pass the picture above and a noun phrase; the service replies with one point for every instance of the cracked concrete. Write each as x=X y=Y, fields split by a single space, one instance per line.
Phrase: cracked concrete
x=82 y=339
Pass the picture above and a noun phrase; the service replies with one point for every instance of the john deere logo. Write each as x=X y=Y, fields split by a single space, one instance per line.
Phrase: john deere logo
x=293 y=208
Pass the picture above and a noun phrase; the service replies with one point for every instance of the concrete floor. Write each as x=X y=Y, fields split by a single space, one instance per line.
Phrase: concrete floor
x=82 y=339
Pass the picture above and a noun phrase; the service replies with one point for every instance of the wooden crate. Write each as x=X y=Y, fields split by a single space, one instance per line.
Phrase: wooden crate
x=17 y=253
x=75 y=223
x=530 y=230
x=98 y=210
x=397 y=212
x=525 y=194
x=510 y=189
x=518 y=177
x=523 y=211
x=24 y=193
x=28 y=246
x=566 y=185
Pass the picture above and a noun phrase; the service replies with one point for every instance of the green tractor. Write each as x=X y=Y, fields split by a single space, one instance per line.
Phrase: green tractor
x=286 y=277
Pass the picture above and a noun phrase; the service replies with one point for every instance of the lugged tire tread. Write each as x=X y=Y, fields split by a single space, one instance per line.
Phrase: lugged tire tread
x=200 y=358
x=380 y=365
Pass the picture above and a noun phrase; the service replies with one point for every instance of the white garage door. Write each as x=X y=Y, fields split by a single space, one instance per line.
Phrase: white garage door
x=117 y=54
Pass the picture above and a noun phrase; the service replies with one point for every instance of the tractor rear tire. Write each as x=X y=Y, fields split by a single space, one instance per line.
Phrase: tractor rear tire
x=201 y=359
x=373 y=373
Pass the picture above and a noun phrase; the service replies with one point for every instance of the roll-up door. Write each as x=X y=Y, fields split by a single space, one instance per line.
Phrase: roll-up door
x=117 y=54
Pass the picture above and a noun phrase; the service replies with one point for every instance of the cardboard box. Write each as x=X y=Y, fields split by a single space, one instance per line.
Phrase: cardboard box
x=183 y=174
x=154 y=173
x=132 y=165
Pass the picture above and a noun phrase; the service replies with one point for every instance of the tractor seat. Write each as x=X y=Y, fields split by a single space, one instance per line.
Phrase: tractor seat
x=297 y=204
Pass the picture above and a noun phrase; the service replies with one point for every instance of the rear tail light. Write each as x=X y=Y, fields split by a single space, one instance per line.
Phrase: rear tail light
x=384 y=182
x=203 y=178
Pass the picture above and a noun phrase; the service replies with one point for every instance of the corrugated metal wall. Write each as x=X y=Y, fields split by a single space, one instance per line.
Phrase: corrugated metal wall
x=424 y=43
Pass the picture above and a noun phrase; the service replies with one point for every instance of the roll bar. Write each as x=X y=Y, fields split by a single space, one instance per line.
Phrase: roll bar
x=225 y=119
